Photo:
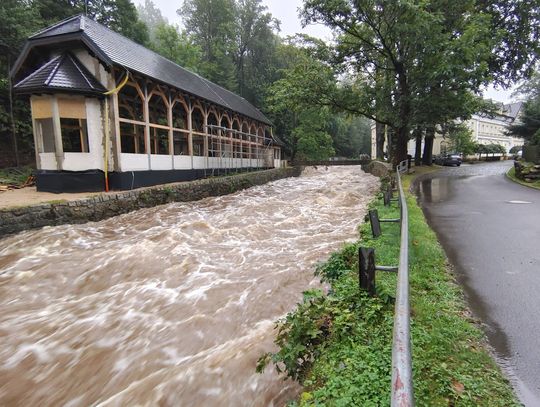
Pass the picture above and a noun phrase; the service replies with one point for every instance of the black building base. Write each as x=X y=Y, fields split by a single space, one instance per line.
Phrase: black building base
x=94 y=180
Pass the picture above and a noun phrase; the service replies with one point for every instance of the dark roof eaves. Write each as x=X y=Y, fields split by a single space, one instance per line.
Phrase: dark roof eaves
x=79 y=35
x=52 y=27
x=29 y=77
x=99 y=53
x=57 y=89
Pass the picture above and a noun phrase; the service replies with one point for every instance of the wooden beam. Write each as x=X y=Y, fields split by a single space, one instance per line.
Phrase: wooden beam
x=57 y=131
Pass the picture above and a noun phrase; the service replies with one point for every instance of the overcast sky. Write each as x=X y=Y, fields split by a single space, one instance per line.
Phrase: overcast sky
x=286 y=11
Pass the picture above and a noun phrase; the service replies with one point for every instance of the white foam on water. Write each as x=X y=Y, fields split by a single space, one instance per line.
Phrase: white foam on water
x=170 y=305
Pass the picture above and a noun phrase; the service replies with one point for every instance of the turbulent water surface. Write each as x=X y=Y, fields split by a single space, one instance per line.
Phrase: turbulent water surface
x=170 y=305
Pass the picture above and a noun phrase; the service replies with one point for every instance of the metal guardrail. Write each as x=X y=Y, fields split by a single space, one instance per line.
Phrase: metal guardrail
x=402 y=388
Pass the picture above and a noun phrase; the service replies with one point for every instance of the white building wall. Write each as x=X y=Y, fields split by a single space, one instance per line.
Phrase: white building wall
x=160 y=162
x=93 y=65
x=182 y=162
x=48 y=161
x=134 y=162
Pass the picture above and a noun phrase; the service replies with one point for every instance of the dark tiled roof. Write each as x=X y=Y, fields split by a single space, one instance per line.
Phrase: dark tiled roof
x=69 y=25
x=61 y=73
x=512 y=109
x=135 y=57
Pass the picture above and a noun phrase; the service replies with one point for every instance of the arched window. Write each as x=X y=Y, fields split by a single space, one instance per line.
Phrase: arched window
x=197 y=124
x=245 y=131
x=197 y=119
x=214 y=148
x=159 y=131
x=227 y=146
x=130 y=102
x=180 y=128
x=237 y=145
x=245 y=140
x=180 y=115
x=131 y=118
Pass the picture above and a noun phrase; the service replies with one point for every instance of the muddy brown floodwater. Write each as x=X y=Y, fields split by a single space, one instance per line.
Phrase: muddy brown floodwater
x=172 y=305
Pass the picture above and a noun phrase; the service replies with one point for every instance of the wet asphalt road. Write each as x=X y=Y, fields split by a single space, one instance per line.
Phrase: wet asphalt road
x=494 y=245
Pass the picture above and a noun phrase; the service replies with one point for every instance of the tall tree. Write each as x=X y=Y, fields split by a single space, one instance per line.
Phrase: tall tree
x=303 y=126
x=373 y=37
x=528 y=125
x=515 y=28
x=151 y=16
x=255 y=47
x=211 y=23
x=18 y=19
x=176 y=46
x=119 y=15
x=435 y=51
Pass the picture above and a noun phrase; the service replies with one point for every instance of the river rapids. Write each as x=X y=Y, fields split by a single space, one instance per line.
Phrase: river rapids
x=172 y=305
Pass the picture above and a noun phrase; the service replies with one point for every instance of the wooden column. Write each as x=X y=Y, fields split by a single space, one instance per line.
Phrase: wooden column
x=114 y=125
x=170 y=122
x=147 y=127
x=190 y=129
x=57 y=131
x=205 y=128
x=38 y=141
x=116 y=137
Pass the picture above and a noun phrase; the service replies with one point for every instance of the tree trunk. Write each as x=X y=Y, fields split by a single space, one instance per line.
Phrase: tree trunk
x=400 y=143
x=427 y=158
x=11 y=117
x=379 y=140
x=402 y=132
x=418 y=146
x=390 y=147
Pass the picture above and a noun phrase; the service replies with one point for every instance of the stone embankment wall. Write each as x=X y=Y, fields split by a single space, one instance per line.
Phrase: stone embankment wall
x=13 y=220
x=527 y=171
x=378 y=168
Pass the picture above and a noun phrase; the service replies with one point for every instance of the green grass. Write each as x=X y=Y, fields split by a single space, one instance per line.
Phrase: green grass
x=14 y=176
x=512 y=175
x=339 y=345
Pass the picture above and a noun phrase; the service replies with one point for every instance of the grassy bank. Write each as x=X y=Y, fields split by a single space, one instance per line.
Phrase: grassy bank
x=512 y=175
x=339 y=345
x=14 y=176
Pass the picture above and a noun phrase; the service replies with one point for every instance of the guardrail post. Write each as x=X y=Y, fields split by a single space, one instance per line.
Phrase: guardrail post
x=386 y=198
x=388 y=195
x=366 y=269
x=374 y=222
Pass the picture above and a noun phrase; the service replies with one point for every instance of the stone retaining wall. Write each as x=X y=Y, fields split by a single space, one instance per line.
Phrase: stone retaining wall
x=13 y=220
x=378 y=168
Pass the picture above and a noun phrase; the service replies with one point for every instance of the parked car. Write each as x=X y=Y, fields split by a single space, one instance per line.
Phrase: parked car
x=448 y=159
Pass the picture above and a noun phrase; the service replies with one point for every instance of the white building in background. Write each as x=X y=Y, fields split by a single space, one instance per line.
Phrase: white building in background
x=486 y=129
x=491 y=129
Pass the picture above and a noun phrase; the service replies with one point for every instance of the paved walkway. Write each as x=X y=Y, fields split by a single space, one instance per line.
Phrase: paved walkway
x=490 y=229
x=29 y=196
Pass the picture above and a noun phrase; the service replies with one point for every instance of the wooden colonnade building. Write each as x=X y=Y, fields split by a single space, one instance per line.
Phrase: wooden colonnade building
x=105 y=107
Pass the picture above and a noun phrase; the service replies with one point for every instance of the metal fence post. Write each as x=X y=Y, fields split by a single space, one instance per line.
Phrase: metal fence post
x=374 y=222
x=366 y=269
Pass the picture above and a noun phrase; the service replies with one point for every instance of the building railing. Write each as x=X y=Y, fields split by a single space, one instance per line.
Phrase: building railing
x=402 y=387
